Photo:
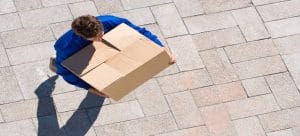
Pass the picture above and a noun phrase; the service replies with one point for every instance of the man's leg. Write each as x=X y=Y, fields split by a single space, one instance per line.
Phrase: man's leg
x=52 y=65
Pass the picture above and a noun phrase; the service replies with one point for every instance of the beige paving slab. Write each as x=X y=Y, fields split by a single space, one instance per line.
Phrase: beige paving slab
x=288 y=45
x=278 y=120
x=218 y=38
x=218 y=66
x=184 y=109
x=263 y=2
x=249 y=127
x=22 y=5
x=7 y=6
x=287 y=132
x=83 y=8
x=110 y=6
x=139 y=16
x=256 y=86
x=130 y=4
x=196 y=131
x=69 y=101
x=203 y=23
x=3 y=56
x=250 y=23
x=169 y=20
x=251 y=50
x=48 y=3
x=222 y=5
x=18 y=128
x=259 y=67
x=189 y=8
x=185 y=61
x=252 y=106
x=284 y=27
x=10 y=22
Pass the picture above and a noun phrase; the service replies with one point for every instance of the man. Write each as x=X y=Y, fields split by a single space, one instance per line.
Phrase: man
x=86 y=29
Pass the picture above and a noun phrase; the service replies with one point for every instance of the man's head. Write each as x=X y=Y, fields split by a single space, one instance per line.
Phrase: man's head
x=88 y=27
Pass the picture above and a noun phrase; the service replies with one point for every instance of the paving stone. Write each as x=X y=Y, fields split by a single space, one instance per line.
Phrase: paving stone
x=249 y=127
x=202 y=23
x=250 y=24
x=3 y=57
x=77 y=123
x=154 y=29
x=140 y=16
x=256 y=86
x=288 y=45
x=27 y=5
x=292 y=61
x=284 y=90
x=18 y=128
x=219 y=93
x=218 y=66
x=36 y=79
x=30 y=53
x=140 y=127
x=50 y=15
x=47 y=3
x=130 y=4
x=1 y=118
x=131 y=108
x=278 y=120
x=296 y=77
x=218 y=38
x=287 y=132
x=184 y=110
x=252 y=106
x=183 y=81
x=27 y=109
x=218 y=121
x=9 y=22
x=108 y=6
x=83 y=8
x=7 y=6
x=295 y=117
x=169 y=20
x=284 y=27
x=251 y=50
x=69 y=101
x=49 y=125
x=189 y=8
x=221 y=5
x=185 y=61
x=279 y=10
x=145 y=94
x=263 y=2
x=10 y=91
x=259 y=67
x=196 y=131
x=60 y=28
x=26 y=36
x=296 y=131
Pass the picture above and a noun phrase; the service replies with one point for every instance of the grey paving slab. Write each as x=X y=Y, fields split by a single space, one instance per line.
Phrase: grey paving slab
x=292 y=61
x=184 y=109
x=259 y=67
x=7 y=6
x=10 y=90
x=195 y=131
x=27 y=36
x=130 y=4
x=256 y=86
x=169 y=20
x=251 y=50
x=110 y=6
x=218 y=66
x=69 y=101
x=288 y=45
x=286 y=132
x=218 y=38
x=250 y=23
x=279 y=10
x=145 y=94
x=83 y=8
x=249 y=127
x=263 y=2
x=203 y=23
x=183 y=81
x=3 y=56
x=154 y=29
x=22 y=5
x=189 y=8
x=284 y=90
x=222 y=5
x=139 y=16
x=31 y=53
x=284 y=27
x=9 y=22
x=18 y=128
x=47 y=3
x=278 y=120
x=50 y=15
x=60 y=28
x=185 y=61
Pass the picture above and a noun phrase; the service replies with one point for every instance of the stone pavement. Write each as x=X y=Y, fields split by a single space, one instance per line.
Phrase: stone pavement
x=237 y=70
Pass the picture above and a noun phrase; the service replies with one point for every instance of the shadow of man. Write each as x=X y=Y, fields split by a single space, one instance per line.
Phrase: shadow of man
x=78 y=124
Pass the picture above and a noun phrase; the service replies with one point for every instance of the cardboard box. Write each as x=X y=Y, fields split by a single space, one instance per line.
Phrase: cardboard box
x=120 y=63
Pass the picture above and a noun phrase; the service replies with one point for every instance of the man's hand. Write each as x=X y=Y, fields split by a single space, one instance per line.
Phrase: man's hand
x=172 y=56
x=95 y=91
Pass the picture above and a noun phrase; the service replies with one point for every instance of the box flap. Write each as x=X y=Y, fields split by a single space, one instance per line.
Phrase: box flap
x=122 y=36
x=102 y=76
x=88 y=58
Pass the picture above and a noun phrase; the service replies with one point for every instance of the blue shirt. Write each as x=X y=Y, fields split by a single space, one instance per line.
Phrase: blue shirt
x=70 y=43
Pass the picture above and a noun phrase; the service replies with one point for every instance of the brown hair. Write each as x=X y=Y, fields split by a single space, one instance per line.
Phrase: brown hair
x=87 y=26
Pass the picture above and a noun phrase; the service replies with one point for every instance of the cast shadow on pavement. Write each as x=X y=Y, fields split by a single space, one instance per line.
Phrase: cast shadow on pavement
x=77 y=125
